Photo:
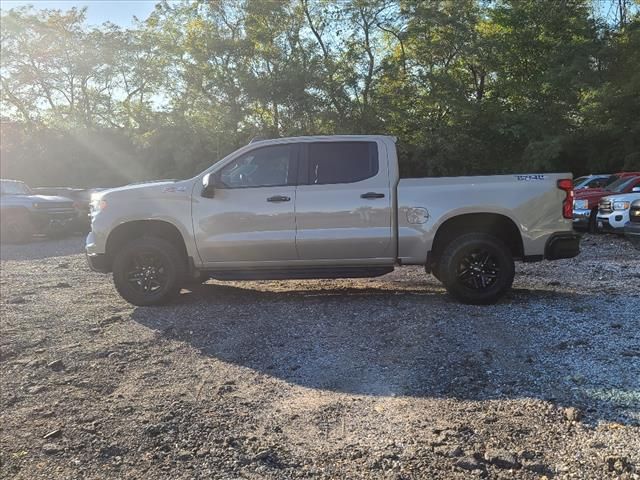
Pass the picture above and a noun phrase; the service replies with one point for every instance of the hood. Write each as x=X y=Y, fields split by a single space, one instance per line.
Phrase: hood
x=623 y=197
x=143 y=189
x=48 y=198
x=132 y=187
x=589 y=193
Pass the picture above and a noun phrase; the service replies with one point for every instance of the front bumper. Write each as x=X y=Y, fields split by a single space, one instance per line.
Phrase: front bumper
x=98 y=262
x=613 y=222
x=604 y=225
x=581 y=217
x=562 y=245
x=632 y=232
x=45 y=221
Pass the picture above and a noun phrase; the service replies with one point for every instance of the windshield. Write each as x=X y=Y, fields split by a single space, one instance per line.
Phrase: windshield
x=620 y=184
x=579 y=180
x=14 y=188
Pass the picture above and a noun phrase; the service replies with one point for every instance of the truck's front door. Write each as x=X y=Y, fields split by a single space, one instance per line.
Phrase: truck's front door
x=343 y=202
x=251 y=216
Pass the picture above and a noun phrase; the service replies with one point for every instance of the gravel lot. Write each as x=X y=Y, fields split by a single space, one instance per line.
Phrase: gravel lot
x=371 y=378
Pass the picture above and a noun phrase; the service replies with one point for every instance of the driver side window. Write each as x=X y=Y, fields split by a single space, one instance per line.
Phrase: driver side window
x=262 y=167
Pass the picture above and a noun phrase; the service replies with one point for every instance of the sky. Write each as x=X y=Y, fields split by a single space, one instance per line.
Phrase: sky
x=120 y=12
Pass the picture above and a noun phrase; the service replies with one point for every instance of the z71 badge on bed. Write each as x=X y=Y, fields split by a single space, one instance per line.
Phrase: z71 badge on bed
x=530 y=178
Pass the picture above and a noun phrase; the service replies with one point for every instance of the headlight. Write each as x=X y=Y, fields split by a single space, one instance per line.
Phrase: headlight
x=581 y=204
x=621 y=205
x=97 y=205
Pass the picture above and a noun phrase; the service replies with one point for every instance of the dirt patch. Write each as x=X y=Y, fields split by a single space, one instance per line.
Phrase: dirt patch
x=371 y=378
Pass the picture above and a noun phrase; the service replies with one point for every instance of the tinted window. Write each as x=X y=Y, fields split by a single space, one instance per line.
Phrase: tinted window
x=263 y=167
x=342 y=162
x=622 y=184
x=578 y=181
x=14 y=188
x=595 y=183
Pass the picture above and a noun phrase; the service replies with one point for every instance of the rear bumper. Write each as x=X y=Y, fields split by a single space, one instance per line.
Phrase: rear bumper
x=562 y=245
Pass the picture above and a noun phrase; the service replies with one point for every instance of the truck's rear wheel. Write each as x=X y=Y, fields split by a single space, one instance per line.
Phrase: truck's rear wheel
x=477 y=268
x=148 y=271
x=16 y=227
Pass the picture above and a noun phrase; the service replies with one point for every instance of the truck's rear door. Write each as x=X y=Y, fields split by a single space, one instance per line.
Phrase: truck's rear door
x=344 y=202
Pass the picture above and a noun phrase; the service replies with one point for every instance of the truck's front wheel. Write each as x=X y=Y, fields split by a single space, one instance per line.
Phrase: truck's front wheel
x=148 y=271
x=477 y=268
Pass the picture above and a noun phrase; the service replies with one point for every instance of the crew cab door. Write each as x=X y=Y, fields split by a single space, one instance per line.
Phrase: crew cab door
x=251 y=215
x=343 y=202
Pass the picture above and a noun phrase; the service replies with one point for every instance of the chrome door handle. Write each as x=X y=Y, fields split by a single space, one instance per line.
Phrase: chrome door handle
x=278 y=198
x=369 y=195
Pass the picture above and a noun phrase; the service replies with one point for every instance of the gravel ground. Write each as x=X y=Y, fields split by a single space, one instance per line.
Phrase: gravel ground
x=370 y=378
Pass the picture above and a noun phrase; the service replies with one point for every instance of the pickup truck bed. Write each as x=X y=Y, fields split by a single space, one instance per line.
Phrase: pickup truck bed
x=312 y=207
x=481 y=202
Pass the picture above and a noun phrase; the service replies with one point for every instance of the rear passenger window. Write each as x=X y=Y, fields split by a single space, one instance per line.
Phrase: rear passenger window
x=342 y=162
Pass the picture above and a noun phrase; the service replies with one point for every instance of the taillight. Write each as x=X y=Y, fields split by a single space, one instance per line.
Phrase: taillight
x=567 y=205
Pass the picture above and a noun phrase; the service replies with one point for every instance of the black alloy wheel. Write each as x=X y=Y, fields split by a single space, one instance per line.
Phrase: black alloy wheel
x=477 y=268
x=148 y=271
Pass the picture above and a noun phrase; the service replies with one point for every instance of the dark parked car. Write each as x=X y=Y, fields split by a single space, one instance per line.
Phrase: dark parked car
x=23 y=213
x=81 y=198
x=632 y=228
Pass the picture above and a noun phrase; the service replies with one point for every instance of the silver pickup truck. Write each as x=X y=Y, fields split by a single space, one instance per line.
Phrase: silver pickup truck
x=327 y=207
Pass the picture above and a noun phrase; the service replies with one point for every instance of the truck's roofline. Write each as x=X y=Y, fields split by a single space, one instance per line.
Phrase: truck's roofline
x=324 y=138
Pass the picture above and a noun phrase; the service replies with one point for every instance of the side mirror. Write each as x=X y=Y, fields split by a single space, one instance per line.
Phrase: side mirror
x=635 y=189
x=209 y=183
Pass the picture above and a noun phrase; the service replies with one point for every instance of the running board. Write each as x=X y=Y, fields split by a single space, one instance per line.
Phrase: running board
x=299 y=273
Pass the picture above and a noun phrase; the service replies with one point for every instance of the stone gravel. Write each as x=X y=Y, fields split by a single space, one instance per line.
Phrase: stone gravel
x=363 y=378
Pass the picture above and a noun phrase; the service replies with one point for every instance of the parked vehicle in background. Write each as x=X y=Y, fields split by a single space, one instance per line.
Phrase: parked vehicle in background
x=613 y=211
x=81 y=198
x=23 y=213
x=592 y=181
x=632 y=227
x=585 y=204
x=327 y=207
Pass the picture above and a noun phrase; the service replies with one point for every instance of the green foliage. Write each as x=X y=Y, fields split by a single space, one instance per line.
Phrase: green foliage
x=468 y=86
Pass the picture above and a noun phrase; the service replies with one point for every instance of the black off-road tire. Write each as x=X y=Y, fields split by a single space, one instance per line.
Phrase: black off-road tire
x=466 y=254
x=166 y=258
x=15 y=227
